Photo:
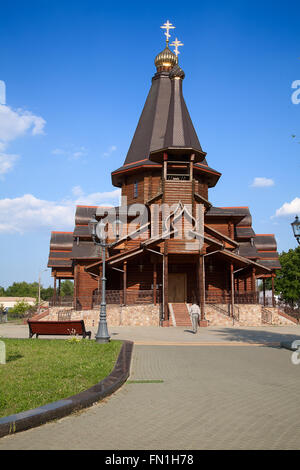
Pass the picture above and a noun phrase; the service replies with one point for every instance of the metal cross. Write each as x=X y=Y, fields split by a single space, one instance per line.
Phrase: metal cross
x=176 y=44
x=167 y=26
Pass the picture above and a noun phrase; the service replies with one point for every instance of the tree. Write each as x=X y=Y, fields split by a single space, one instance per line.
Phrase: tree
x=66 y=288
x=47 y=293
x=23 y=289
x=20 y=308
x=287 y=281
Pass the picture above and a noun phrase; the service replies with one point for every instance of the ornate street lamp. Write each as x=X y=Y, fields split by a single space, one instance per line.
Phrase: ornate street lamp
x=296 y=229
x=97 y=230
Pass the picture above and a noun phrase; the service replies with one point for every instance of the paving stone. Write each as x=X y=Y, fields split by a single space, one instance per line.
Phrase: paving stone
x=211 y=398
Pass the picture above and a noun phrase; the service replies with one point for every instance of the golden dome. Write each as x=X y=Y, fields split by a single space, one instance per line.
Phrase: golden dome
x=166 y=58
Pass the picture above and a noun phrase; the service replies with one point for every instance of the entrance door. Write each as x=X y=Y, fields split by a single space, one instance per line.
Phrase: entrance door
x=177 y=287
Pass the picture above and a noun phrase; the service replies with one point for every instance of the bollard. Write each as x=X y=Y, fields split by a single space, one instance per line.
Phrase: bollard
x=2 y=353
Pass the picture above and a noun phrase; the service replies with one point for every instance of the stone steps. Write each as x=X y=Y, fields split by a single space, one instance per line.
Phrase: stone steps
x=179 y=312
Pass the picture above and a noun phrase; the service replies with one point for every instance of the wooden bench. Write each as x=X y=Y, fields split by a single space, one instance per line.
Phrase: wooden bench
x=75 y=327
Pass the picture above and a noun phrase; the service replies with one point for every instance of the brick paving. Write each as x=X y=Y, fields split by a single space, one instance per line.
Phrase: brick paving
x=211 y=398
x=181 y=335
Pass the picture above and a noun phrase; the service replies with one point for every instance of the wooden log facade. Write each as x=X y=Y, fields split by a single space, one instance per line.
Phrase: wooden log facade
x=183 y=249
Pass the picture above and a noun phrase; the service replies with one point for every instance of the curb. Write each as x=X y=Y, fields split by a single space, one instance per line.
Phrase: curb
x=58 y=409
x=291 y=345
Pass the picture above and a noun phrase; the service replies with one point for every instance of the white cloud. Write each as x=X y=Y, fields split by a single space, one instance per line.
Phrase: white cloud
x=262 y=182
x=109 y=151
x=71 y=154
x=28 y=213
x=99 y=199
x=7 y=162
x=14 y=124
x=77 y=191
x=58 y=152
x=289 y=208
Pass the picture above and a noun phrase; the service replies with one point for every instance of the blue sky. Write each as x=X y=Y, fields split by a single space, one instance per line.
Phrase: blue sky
x=77 y=75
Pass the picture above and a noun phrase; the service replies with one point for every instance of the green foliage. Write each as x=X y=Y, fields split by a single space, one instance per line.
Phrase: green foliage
x=47 y=293
x=66 y=288
x=25 y=289
x=22 y=289
x=20 y=309
x=287 y=282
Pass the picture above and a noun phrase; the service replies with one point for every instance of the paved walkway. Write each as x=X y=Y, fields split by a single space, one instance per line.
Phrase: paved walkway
x=224 y=397
x=182 y=335
x=210 y=398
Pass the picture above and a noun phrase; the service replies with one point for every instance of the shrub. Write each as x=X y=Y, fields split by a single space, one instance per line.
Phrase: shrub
x=20 y=309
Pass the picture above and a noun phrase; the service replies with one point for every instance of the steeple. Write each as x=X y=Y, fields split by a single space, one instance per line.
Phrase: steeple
x=165 y=124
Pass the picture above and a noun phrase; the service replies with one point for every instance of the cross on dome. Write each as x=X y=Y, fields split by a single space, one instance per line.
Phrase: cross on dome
x=177 y=44
x=167 y=26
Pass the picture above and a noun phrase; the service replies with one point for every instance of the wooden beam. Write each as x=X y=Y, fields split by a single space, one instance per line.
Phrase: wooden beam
x=154 y=283
x=75 y=286
x=165 y=275
x=192 y=166
x=165 y=166
x=232 y=289
x=264 y=290
x=273 y=290
x=54 y=288
x=201 y=285
x=125 y=282
x=253 y=283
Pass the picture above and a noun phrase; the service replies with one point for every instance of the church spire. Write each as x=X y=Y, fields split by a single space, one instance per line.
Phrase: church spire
x=166 y=59
x=165 y=125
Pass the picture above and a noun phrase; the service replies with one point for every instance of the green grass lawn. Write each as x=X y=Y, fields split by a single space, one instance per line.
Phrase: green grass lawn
x=40 y=371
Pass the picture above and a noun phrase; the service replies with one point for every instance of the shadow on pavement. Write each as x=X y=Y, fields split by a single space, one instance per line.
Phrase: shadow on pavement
x=256 y=336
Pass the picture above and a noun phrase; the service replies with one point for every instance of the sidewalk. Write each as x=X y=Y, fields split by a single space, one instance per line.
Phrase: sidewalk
x=196 y=398
x=214 y=336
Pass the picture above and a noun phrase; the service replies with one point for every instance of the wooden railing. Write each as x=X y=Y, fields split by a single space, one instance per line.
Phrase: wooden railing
x=226 y=297
x=133 y=297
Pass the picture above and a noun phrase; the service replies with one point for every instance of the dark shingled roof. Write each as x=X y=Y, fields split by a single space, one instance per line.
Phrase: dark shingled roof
x=267 y=251
x=180 y=131
x=82 y=231
x=265 y=243
x=165 y=124
x=61 y=244
x=234 y=212
x=85 y=250
x=59 y=263
x=244 y=232
x=84 y=214
x=271 y=264
x=247 y=250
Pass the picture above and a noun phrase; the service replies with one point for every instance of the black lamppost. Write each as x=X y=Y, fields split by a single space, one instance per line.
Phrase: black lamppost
x=296 y=229
x=97 y=230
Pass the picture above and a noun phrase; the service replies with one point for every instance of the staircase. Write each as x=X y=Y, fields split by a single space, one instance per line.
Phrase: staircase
x=179 y=314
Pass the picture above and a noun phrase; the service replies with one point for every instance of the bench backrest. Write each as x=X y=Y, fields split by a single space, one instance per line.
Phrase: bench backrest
x=57 y=327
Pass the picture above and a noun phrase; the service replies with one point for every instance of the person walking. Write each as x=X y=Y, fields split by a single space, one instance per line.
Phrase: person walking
x=4 y=314
x=195 y=314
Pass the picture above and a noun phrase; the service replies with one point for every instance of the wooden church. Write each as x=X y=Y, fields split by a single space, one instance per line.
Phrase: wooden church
x=191 y=251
